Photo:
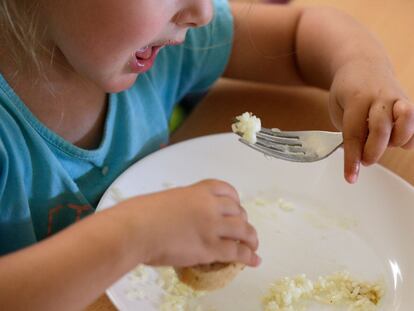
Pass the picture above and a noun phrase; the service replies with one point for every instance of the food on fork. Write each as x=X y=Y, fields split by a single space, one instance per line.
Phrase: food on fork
x=209 y=277
x=247 y=125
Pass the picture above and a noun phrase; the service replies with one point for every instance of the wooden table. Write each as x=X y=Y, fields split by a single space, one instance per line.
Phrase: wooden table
x=391 y=20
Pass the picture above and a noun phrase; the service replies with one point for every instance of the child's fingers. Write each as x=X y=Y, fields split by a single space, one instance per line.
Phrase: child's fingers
x=232 y=251
x=221 y=188
x=403 y=114
x=355 y=132
x=243 y=214
x=229 y=208
x=380 y=125
x=237 y=229
x=409 y=144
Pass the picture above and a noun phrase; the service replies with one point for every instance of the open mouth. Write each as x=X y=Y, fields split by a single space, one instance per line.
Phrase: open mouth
x=145 y=57
x=144 y=53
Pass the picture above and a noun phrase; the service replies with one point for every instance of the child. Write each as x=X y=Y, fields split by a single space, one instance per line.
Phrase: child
x=74 y=116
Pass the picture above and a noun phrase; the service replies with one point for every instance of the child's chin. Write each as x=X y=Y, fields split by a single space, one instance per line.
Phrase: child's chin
x=120 y=84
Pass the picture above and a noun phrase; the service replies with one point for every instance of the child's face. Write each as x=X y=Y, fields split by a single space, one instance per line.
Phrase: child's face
x=111 y=41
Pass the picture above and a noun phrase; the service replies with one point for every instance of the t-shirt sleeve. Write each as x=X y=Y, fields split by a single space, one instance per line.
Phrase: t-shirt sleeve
x=195 y=65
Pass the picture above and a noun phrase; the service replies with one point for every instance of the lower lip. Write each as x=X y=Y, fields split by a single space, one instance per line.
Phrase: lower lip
x=139 y=65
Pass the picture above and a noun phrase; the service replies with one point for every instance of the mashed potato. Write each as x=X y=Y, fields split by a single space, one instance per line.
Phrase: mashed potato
x=146 y=281
x=294 y=294
x=247 y=125
x=287 y=294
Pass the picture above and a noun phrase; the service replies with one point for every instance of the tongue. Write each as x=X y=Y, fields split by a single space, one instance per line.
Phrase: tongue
x=144 y=54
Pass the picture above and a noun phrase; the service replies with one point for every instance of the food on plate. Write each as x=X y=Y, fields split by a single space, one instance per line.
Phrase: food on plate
x=209 y=277
x=338 y=289
x=183 y=288
x=176 y=295
x=247 y=125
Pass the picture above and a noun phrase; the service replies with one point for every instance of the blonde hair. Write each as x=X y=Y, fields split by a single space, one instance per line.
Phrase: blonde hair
x=20 y=32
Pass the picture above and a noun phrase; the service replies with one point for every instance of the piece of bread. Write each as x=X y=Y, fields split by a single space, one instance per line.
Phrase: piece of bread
x=209 y=277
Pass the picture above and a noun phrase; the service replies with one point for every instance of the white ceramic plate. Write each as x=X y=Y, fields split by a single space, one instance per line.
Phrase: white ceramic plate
x=366 y=229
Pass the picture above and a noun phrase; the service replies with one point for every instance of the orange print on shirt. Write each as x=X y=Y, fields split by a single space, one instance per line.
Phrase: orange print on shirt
x=79 y=209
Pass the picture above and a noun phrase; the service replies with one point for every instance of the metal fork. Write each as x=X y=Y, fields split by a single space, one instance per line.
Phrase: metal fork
x=296 y=146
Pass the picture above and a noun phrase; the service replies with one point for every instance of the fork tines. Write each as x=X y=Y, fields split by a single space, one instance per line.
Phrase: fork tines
x=298 y=146
x=275 y=143
x=279 y=141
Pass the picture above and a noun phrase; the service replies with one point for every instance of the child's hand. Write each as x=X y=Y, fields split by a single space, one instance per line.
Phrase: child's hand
x=198 y=224
x=368 y=104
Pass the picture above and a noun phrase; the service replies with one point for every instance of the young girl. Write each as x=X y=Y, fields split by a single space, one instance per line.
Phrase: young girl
x=87 y=88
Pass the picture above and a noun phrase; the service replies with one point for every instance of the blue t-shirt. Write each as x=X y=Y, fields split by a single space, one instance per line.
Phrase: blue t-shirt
x=47 y=183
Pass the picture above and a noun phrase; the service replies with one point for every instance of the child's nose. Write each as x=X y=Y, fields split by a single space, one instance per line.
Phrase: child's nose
x=196 y=13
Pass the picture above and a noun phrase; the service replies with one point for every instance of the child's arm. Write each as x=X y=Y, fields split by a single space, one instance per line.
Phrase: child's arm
x=192 y=225
x=325 y=48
